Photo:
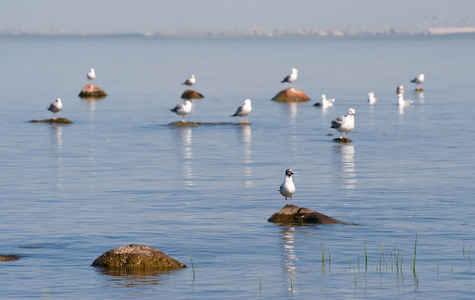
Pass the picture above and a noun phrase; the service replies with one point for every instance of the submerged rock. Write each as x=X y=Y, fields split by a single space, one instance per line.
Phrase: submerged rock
x=419 y=89
x=92 y=91
x=343 y=140
x=56 y=121
x=190 y=94
x=9 y=257
x=293 y=214
x=196 y=124
x=291 y=94
x=139 y=257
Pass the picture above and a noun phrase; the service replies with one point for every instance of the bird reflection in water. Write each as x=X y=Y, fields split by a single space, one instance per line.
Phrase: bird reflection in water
x=246 y=140
x=57 y=140
x=347 y=159
x=185 y=137
x=289 y=253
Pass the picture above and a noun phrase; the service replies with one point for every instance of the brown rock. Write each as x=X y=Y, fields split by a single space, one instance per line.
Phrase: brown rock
x=92 y=91
x=9 y=257
x=343 y=140
x=190 y=94
x=56 y=121
x=139 y=257
x=291 y=94
x=293 y=214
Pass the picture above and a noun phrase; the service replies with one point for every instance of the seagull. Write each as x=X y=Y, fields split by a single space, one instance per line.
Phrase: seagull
x=418 y=80
x=183 y=109
x=190 y=81
x=287 y=188
x=371 y=98
x=91 y=75
x=327 y=102
x=345 y=123
x=400 y=90
x=292 y=77
x=401 y=102
x=55 y=107
x=243 y=110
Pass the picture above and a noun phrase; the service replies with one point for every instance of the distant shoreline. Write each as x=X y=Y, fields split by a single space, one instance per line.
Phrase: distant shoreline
x=259 y=32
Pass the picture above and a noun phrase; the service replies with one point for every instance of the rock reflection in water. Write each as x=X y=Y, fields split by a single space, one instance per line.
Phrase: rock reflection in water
x=125 y=278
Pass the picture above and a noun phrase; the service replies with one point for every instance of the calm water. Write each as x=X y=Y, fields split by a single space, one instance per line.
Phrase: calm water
x=121 y=175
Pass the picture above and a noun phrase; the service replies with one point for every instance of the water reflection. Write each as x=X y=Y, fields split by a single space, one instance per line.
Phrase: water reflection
x=185 y=135
x=292 y=111
x=246 y=140
x=289 y=251
x=123 y=278
x=57 y=140
x=347 y=159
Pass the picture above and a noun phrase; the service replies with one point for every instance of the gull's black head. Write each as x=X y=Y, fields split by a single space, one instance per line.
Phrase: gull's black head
x=289 y=172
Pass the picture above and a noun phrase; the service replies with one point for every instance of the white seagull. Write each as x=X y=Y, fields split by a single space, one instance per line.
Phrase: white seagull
x=55 y=107
x=243 y=110
x=91 y=75
x=327 y=102
x=401 y=102
x=371 y=98
x=190 y=81
x=287 y=188
x=292 y=77
x=418 y=80
x=345 y=123
x=183 y=109
x=400 y=90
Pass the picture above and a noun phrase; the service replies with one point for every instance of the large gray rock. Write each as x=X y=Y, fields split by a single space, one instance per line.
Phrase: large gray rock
x=293 y=214
x=137 y=257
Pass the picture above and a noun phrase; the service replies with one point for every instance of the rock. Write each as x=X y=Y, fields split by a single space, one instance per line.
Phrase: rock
x=56 y=121
x=291 y=94
x=419 y=89
x=343 y=140
x=190 y=94
x=196 y=124
x=9 y=257
x=139 y=257
x=92 y=91
x=293 y=214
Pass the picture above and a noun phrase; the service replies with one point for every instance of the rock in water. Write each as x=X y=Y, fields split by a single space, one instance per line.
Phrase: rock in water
x=92 y=91
x=9 y=257
x=56 y=121
x=293 y=214
x=137 y=257
x=291 y=94
x=190 y=94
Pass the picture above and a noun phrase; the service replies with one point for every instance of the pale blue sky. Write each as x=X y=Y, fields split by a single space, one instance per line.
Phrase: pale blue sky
x=113 y=16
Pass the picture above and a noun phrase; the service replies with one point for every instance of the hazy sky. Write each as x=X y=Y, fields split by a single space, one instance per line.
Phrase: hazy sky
x=172 y=16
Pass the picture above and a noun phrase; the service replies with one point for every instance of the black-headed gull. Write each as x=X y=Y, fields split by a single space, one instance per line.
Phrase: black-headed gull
x=287 y=188
x=91 y=75
x=371 y=98
x=190 y=81
x=183 y=109
x=292 y=77
x=243 y=110
x=345 y=123
x=55 y=107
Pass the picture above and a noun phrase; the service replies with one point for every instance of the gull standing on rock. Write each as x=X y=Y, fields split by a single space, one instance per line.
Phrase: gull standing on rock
x=183 y=109
x=418 y=80
x=55 y=107
x=371 y=98
x=190 y=81
x=345 y=123
x=243 y=110
x=287 y=188
x=91 y=75
x=292 y=77
x=401 y=102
